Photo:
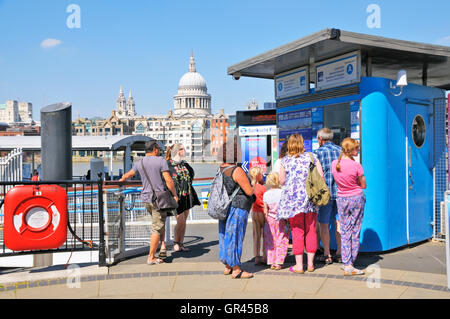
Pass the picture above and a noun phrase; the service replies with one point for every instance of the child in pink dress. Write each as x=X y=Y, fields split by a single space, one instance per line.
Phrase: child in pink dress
x=276 y=239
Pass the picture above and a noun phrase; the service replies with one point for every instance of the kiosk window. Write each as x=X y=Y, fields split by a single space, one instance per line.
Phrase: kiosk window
x=418 y=131
x=337 y=118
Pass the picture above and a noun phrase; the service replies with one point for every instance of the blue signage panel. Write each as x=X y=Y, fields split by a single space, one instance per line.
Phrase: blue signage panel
x=338 y=71
x=253 y=151
x=296 y=122
x=292 y=83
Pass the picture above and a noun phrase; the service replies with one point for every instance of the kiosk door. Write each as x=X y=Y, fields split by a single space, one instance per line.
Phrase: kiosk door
x=420 y=179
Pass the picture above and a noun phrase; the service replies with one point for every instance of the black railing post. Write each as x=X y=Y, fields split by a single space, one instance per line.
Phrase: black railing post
x=101 y=222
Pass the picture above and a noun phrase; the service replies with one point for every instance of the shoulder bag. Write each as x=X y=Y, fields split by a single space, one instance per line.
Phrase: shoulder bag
x=162 y=200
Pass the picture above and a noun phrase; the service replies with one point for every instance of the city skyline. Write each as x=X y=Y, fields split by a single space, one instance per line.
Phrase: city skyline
x=144 y=46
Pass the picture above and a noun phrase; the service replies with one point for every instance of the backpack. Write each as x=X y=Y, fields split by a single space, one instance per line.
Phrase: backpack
x=219 y=201
x=316 y=188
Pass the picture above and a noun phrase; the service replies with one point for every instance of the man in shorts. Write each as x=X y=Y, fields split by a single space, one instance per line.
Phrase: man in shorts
x=154 y=165
x=327 y=153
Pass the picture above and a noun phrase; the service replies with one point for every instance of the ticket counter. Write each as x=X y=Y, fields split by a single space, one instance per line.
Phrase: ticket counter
x=348 y=83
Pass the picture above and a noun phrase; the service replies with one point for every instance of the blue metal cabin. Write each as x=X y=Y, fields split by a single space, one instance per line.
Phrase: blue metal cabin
x=403 y=147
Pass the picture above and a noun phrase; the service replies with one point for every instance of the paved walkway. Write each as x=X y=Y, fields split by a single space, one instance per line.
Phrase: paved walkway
x=417 y=272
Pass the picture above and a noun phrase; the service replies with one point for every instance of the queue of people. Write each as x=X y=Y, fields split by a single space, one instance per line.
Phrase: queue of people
x=279 y=207
x=284 y=201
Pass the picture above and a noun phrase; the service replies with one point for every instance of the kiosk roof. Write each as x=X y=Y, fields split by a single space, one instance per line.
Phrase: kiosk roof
x=424 y=63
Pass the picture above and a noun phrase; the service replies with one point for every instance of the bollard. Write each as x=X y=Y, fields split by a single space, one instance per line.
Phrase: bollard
x=56 y=153
x=56 y=142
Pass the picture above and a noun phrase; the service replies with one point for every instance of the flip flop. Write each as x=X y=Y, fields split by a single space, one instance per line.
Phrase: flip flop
x=276 y=267
x=354 y=272
x=291 y=269
x=239 y=275
x=162 y=253
x=155 y=262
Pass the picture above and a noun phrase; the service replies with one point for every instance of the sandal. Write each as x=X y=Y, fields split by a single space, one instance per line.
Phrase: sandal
x=239 y=275
x=291 y=269
x=354 y=272
x=327 y=260
x=276 y=267
x=337 y=259
x=162 y=253
x=155 y=262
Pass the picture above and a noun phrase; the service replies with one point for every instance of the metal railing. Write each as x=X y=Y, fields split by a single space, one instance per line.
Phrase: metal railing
x=127 y=223
x=11 y=166
x=85 y=217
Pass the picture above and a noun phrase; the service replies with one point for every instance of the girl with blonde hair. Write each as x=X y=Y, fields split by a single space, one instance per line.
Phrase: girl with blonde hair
x=258 y=220
x=350 y=180
x=276 y=239
x=295 y=204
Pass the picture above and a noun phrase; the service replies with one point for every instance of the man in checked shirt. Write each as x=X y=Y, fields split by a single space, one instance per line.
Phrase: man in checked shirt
x=327 y=153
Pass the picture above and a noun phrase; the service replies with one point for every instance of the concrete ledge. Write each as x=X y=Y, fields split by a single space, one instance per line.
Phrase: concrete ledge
x=54 y=272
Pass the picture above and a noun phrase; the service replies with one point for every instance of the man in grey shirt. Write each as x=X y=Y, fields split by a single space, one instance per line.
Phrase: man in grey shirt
x=154 y=166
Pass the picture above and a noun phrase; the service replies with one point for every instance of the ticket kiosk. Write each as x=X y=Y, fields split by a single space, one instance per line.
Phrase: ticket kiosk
x=351 y=84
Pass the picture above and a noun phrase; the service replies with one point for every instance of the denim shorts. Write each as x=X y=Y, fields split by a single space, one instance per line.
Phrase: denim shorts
x=328 y=213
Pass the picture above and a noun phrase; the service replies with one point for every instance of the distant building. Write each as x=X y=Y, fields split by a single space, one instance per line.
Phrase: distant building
x=16 y=112
x=270 y=105
x=252 y=105
x=190 y=122
x=125 y=108
x=113 y=125
x=192 y=96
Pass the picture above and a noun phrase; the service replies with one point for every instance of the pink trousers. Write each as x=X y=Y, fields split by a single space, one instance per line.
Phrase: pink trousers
x=303 y=227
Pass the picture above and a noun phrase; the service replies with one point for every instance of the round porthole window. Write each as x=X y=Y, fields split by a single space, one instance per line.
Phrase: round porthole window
x=418 y=131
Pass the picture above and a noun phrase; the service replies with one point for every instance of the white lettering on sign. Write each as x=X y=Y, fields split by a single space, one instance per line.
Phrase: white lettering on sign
x=339 y=71
x=257 y=130
x=292 y=83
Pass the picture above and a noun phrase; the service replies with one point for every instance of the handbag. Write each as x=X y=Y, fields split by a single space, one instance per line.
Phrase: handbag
x=162 y=200
x=316 y=188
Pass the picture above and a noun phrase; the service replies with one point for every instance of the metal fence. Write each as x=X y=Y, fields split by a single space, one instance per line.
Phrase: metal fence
x=128 y=224
x=440 y=170
x=85 y=217
x=11 y=166
x=109 y=215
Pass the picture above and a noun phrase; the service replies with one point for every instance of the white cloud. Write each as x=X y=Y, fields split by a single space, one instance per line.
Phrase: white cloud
x=50 y=43
x=444 y=40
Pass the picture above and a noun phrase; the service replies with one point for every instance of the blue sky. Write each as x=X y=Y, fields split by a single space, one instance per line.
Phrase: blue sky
x=145 y=46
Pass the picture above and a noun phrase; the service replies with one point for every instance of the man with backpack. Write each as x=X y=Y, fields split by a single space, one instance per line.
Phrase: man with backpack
x=327 y=153
x=152 y=166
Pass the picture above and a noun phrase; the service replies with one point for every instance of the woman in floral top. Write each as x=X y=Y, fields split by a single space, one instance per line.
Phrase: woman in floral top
x=183 y=175
x=295 y=204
